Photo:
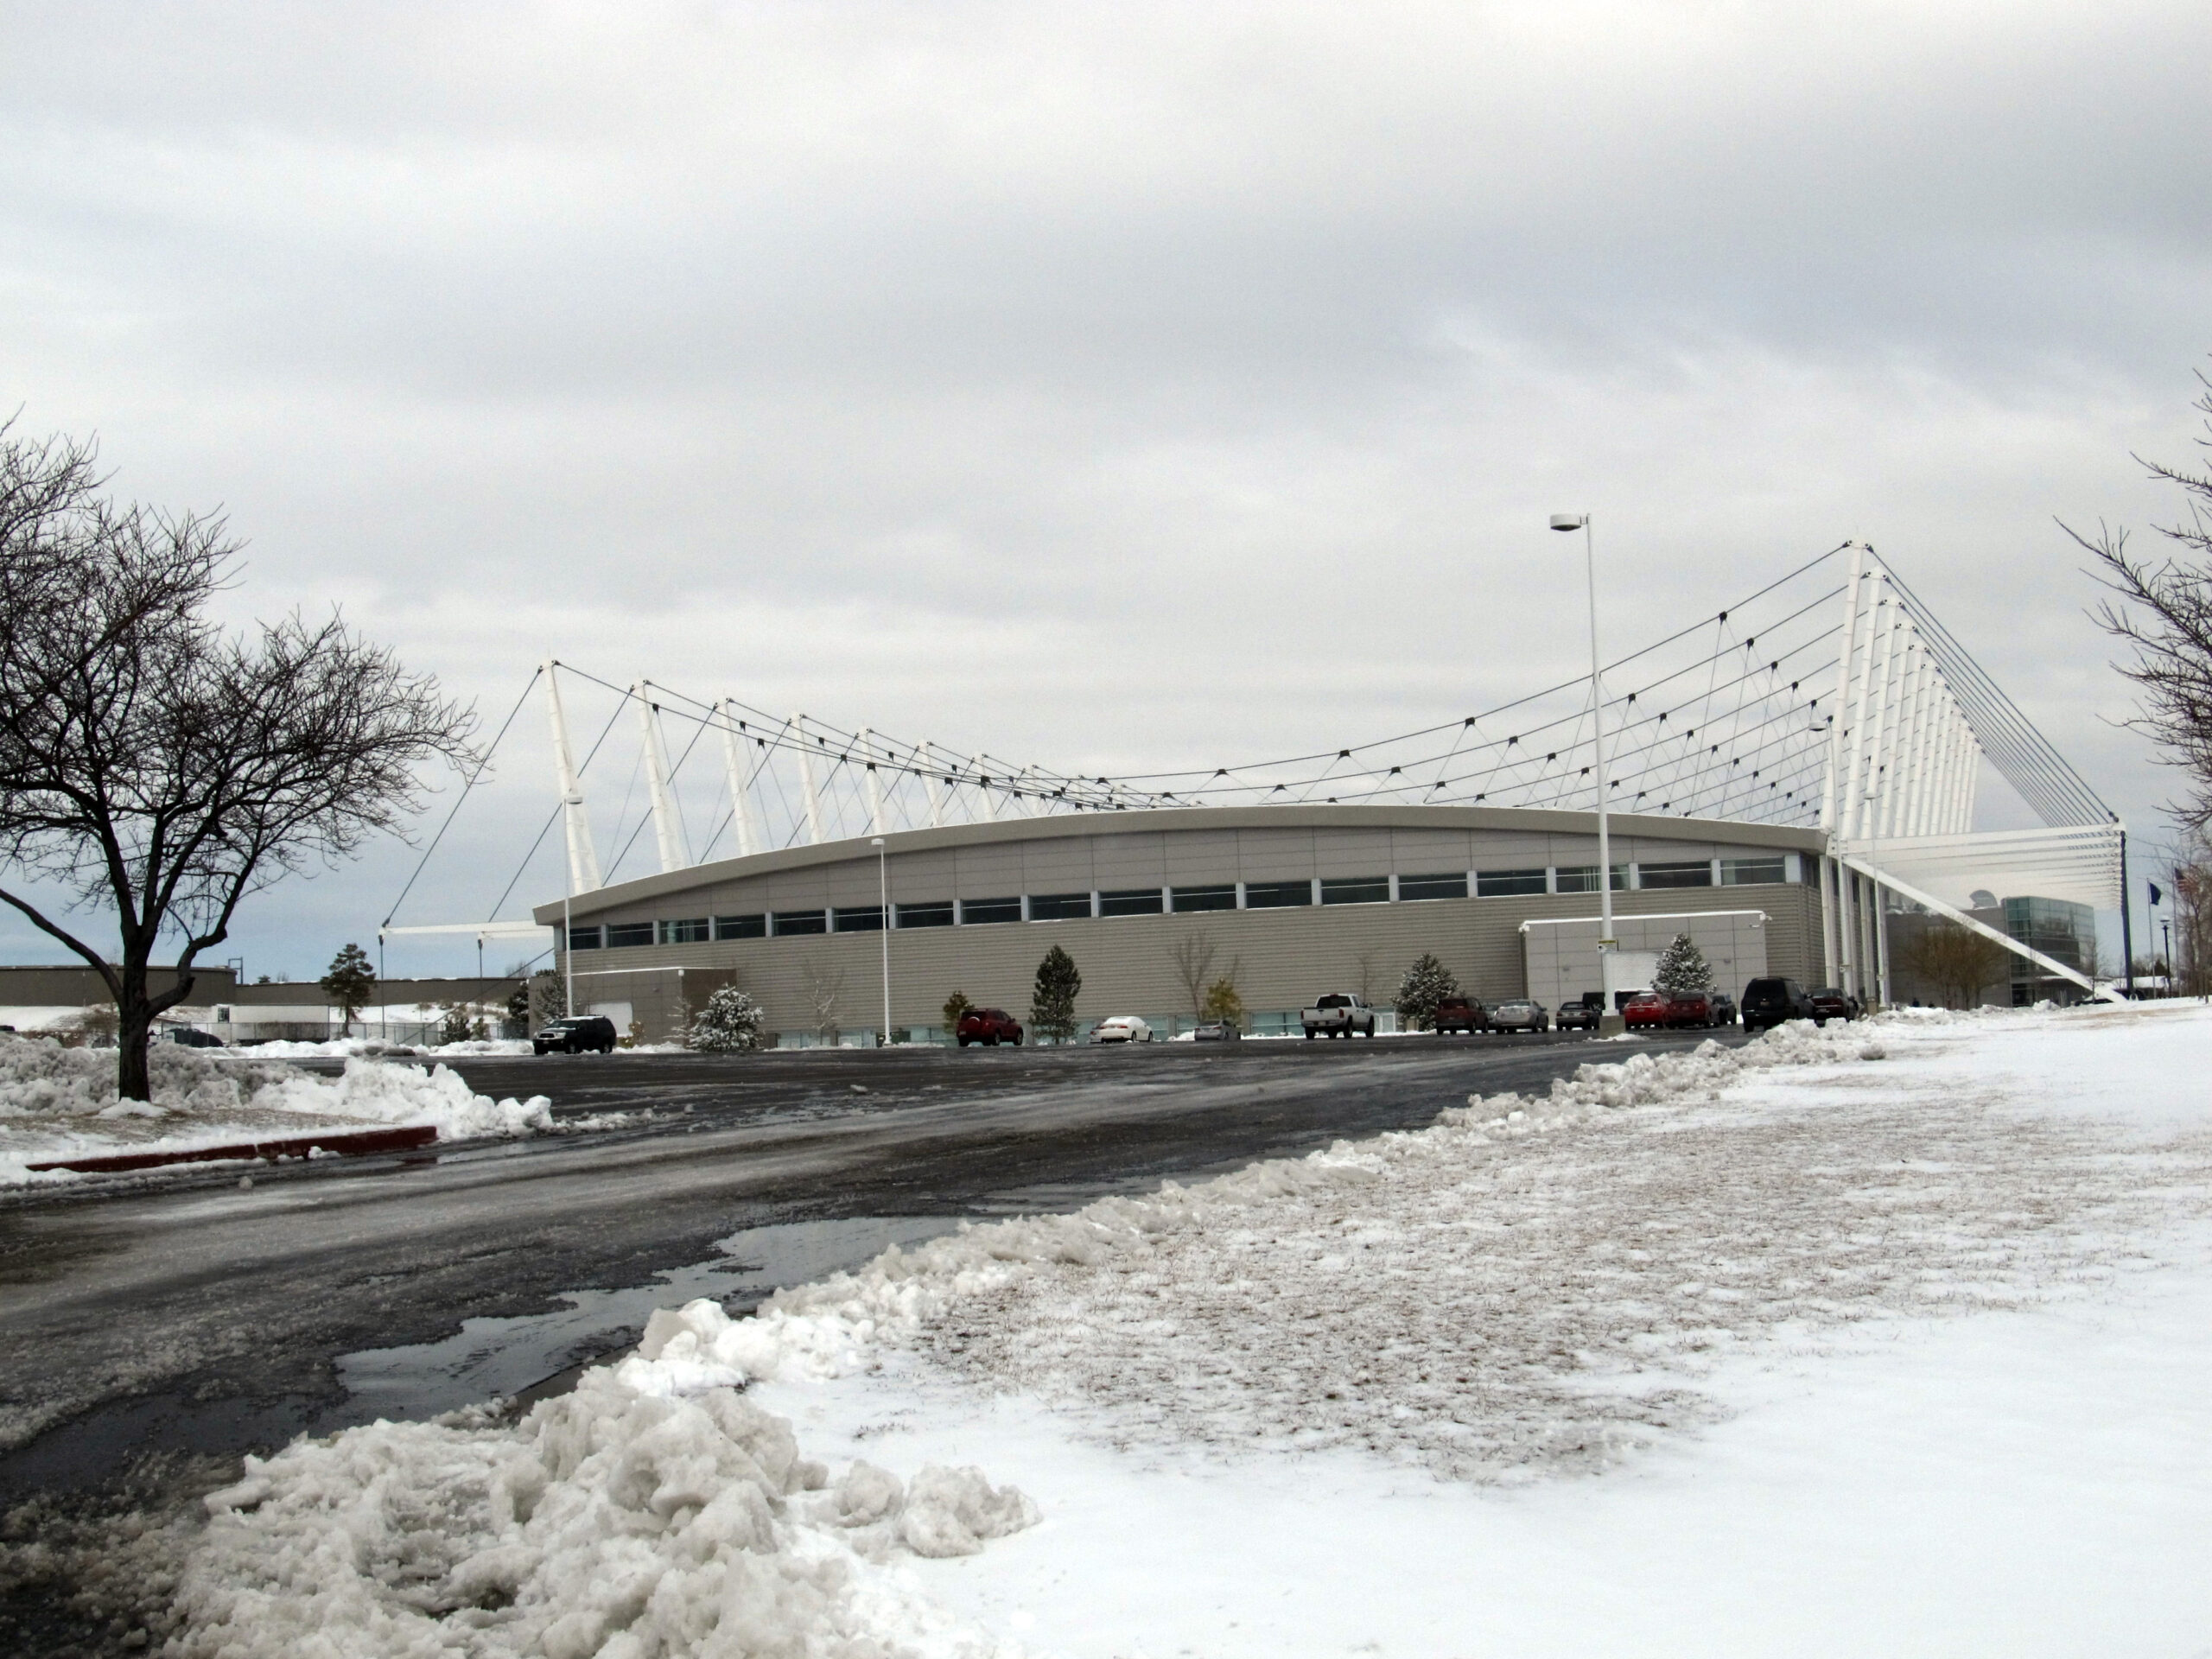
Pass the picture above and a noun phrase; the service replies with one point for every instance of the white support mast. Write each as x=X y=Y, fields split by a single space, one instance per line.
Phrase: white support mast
x=930 y=785
x=1831 y=872
x=749 y=839
x=583 y=857
x=1907 y=744
x=875 y=787
x=807 y=784
x=667 y=833
x=984 y=793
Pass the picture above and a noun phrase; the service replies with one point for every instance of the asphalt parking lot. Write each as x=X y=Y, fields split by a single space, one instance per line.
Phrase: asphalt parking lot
x=155 y=1315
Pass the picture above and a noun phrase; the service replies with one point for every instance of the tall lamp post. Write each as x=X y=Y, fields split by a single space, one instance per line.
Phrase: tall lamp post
x=883 y=891
x=1609 y=1018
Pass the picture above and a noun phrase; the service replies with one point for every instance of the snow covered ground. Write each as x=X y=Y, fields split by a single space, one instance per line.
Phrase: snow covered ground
x=58 y=1102
x=1885 y=1339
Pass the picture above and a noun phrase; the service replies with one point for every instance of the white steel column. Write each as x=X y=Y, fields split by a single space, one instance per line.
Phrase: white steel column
x=583 y=857
x=1908 y=735
x=875 y=786
x=1881 y=646
x=1831 y=891
x=1924 y=747
x=749 y=839
x=807 y=785
x=1939 y=813
x=665 y=830
x=1973 y=789
x=983 y=794
x=931 y=786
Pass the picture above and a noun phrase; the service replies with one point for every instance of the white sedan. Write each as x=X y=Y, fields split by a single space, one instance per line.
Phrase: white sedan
x=1122 y=1029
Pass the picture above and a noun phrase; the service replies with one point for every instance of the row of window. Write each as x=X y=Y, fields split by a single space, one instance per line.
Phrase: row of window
x=1155 y=901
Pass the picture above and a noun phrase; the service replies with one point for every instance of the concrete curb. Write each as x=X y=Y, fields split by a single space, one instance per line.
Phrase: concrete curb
x=351 y=1142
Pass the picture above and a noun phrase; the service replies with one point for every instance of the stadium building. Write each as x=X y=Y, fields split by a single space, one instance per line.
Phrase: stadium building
x=1287 y=902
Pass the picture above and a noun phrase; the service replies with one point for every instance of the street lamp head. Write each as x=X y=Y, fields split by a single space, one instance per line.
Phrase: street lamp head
x=875 y=841
x=1569 y=520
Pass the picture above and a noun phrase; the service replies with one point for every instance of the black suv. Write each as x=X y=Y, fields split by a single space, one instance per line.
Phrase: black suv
x=581 y=1034
x=1768 y=1002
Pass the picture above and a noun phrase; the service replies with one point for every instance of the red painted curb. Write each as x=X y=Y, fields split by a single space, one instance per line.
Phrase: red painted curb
x=340 y=1140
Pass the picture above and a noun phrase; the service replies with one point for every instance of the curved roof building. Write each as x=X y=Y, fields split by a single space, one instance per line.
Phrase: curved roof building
x=1287 y=901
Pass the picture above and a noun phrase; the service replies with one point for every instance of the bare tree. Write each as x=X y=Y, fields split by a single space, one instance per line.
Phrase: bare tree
x=153 y=766
x=1193 y=955
x=2165 y=613
x=1957 y=961
x=1369 y=963
x=823 y=990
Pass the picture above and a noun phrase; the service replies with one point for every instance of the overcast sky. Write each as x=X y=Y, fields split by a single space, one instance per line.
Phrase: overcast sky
x=1114 y=387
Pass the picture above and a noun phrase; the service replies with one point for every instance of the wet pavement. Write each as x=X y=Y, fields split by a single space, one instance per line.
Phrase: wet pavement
x=182 y=1314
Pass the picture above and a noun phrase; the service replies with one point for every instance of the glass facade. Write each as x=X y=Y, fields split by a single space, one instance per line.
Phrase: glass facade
x=1451 y=885
x=1499 y=884
x=619 y=934
x=1222 y=897
x=1136 y=901
x=1752 y=872
x=1356 y=890
x=1277 y=895
x=937 y=914
x=2056 y=927
x=754 y=927
x=1584 y=879
x=788 y=922
x=860 y=918
x=1059 y=906
x=583 y=938
x=695 y=930
x=1683 y=875
x=975 y=913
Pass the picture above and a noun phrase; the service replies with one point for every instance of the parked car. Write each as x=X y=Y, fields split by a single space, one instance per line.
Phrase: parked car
x=1724 y=1007
x=1768 y=1002
x=1578 y=1015
x=1457 y=1013
x=1121 y=1028
x=581 y=1034
x=1338 y=1014
x=1519 y=1014
x=1829 y=1003
x=1218 y=1031
x=1689 y=1009
x=189 y=1038
x=989 y=1026
x=1646 y=1011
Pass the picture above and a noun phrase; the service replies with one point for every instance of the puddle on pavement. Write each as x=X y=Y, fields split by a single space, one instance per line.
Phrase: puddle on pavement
x=488 y=1357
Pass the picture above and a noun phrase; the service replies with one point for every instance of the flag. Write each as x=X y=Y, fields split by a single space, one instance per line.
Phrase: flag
x=2155 y=895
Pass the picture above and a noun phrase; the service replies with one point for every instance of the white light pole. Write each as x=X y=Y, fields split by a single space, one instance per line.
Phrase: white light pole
x=883 y=899
x=1609 y=1017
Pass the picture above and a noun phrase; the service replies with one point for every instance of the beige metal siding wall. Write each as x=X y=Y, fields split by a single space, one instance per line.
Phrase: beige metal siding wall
x=1282 y=958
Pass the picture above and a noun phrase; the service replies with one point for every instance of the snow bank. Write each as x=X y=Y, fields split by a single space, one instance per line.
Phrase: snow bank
x=57 y=1102
x=614 y=1521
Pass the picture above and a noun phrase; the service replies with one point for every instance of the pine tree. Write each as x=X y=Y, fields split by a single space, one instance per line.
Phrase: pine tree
x=1682 y=968
x=1427 y=983
x=1051 y=1004
x=1224 y=1002
x=350 y=982
x=730 y=1024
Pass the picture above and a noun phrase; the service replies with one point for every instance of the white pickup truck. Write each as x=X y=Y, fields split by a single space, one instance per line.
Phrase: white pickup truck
x=1338 y=1014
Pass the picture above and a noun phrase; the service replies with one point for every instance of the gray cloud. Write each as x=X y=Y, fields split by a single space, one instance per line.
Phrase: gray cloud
x=1019 y=380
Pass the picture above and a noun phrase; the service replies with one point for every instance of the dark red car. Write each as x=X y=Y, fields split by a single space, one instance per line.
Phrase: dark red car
x=1689 y=1009
x=1457 y=1013
x=989 y=1026
x=1646 y=1011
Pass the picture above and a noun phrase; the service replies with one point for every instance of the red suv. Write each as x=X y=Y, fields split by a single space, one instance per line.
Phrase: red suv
x=1457 y=1013
x=989 y=1026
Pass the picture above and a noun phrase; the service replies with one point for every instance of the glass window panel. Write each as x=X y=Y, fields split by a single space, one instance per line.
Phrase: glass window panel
x=1584 y=879
x=1682 y=874
x=1137 y=901
x=619 y=934
x=1451 y=886
x=583 y=938
x=977 y=912
x=936 y=914
x=1205 y=898
x=860 y=919
x=754 y=927
x=1752 y=872
x=1498 y=884
x=1059 y=906
x=801 y=921
x=1276 y=895
x=692 y=930
x=1356 y=890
